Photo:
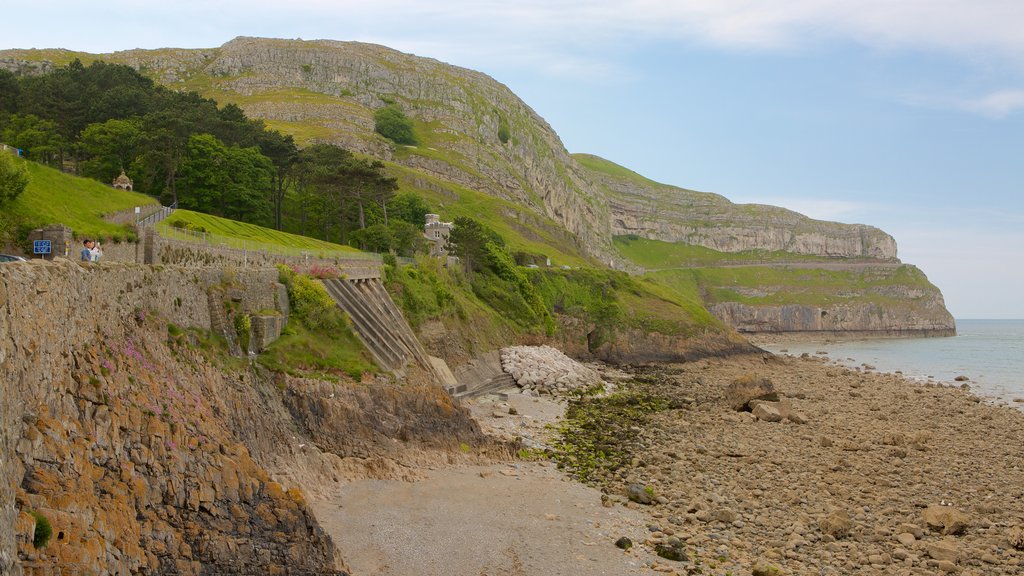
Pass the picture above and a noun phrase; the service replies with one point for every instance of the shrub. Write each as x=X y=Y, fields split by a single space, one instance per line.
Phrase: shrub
x=43 y=530
x=313 y=305
x=243 y=328
x=391 y=123
x=503 y=132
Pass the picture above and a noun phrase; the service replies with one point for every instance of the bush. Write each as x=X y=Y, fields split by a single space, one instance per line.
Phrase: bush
x=503 y=132
x=391 y=123
x=43 y=530
x=14 y=177
x=312 y=305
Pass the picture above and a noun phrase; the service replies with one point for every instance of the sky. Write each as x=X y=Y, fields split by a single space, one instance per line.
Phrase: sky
x=907 y=115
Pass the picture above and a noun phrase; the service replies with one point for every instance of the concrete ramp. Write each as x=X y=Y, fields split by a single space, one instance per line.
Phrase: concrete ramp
x=379 y=324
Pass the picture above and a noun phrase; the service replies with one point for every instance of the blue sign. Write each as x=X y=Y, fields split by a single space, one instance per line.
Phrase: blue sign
x=41 y=247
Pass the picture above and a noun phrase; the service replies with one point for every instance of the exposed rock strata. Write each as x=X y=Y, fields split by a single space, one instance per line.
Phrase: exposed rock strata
x=148 y=458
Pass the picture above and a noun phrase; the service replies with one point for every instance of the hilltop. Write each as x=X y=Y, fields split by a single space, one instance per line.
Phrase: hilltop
x=483 y=152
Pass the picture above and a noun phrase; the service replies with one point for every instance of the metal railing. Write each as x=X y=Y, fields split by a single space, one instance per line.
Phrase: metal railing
x=256 y=247
x=155 y=217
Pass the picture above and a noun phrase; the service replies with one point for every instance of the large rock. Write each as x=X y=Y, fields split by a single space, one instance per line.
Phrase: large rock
x=1015 y=535
x=837 y=524
x=746 y=388
x=945 y=519
x=547 y=370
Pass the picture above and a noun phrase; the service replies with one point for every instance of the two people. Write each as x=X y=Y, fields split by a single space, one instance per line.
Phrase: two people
x=91 y=251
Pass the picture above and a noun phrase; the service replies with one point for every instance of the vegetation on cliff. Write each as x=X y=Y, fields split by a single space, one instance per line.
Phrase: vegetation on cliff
x=52 y=197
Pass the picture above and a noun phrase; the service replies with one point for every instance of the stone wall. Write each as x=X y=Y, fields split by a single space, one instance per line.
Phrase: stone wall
x=118 y=440
x=171 y=251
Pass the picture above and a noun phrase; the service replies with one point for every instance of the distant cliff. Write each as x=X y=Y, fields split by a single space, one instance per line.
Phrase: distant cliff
x=483 y=152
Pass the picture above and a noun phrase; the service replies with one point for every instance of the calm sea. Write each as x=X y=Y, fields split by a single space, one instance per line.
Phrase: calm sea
x=989 y=352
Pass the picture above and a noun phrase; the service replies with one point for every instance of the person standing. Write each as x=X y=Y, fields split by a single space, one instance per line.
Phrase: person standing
x=87 y=250
x=96 y=252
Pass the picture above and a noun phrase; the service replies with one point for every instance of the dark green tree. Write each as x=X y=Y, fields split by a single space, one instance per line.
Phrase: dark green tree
x=107 y=147
x=233 y=182
x=390 y=122
x=9 y=92
x=409 y=207
x=38 y=137
x=14 y=177
x=469 y=239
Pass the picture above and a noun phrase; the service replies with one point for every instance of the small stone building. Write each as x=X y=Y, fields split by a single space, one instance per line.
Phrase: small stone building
x=123 y=182
x=437 y=233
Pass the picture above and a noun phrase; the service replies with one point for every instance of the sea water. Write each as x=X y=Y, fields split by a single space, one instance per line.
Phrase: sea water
x=988 y=352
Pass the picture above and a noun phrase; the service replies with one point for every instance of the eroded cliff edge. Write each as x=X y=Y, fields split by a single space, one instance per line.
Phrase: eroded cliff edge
x=149 y=457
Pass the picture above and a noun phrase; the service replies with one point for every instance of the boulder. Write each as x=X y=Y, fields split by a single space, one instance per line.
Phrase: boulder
x=837 y=524
x=742 y=390
x=941 y=551
x=768 y=412
x=1015 y=535
x=640 y=494
x=945 y=519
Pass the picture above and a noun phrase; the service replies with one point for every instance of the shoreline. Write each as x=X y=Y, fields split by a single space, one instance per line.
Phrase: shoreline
x=993 y=389
x=842 y=493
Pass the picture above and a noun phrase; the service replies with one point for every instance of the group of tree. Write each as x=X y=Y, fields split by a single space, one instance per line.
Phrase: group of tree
x=98 y=119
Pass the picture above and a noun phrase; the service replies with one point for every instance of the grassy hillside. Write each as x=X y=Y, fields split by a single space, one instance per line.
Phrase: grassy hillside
x=773 y=286
x=655 y=254
x=188 y=225
x=522 y=229
x=53 y=197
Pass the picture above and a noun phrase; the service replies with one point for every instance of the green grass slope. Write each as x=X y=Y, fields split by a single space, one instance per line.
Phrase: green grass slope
x=53 y=197
x=656 y=254
x=189 y=225
x=776 y=286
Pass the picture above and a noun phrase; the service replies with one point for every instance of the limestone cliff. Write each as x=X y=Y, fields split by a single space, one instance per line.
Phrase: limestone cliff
x=149 y=456
x=328 y=91
x=656 y=211
x=483 y=151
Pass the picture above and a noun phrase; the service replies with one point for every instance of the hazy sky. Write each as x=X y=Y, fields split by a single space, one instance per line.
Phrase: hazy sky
x=904 y=114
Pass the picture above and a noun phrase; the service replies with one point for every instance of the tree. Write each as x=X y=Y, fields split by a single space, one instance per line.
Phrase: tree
x=409 y=207
x=469 y=239
x=283 y=152
x=390 y=122
x=233 y=182
x=14 y=177
x=376 y=238
x=109 y=147
x=9 y=92
x=39 y=138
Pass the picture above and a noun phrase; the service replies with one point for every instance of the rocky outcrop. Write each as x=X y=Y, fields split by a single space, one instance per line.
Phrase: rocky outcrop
x=660 y=212
x=547 y=370
x=149 y=453
x=119 y=444
x=846 y=318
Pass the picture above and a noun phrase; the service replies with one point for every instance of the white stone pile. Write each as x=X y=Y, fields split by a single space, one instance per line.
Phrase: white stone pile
x=546 y=370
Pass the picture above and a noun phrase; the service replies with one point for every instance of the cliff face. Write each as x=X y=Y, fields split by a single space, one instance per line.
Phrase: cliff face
x=659 y=212
x=892 y=299
x=333 y=88
x=327 y=91
x=483 y=149
x=146 y=455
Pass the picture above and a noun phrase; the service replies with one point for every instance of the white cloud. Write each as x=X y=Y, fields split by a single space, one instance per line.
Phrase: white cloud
x=974 y=27
x=999 y=104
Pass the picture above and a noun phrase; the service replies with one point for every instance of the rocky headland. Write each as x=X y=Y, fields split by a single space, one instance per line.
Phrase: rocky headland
x=482 y=146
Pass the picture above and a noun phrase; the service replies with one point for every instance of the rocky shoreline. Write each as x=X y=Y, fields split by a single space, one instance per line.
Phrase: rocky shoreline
x=881 y=475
